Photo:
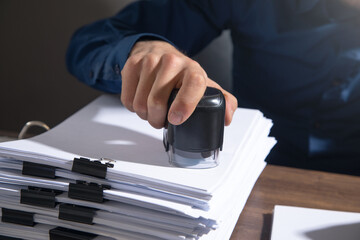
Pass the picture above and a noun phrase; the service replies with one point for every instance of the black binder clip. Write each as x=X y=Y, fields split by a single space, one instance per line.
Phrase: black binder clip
x=38 y=170
x=73 y=213
x=41 y=197
x=60 y=233
x=17 y=217
x=95 y=168
x=92 y=192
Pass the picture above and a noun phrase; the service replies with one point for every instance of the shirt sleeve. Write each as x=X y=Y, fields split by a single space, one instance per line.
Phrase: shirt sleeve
x=98 y=51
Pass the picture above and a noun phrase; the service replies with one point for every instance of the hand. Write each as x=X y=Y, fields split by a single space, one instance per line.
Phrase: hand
x=152 y=71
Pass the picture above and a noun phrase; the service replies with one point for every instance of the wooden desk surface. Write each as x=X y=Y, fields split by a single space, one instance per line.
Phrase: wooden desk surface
x=294 y=187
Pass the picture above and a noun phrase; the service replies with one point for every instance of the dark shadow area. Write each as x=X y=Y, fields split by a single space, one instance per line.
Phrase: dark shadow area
x=343 y=232
x=35 y=84
x=266 y=229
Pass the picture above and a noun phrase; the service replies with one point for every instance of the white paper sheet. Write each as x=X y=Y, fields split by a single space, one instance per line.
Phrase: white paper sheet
x=105 y=129
x=142 y=175
x=298 y=223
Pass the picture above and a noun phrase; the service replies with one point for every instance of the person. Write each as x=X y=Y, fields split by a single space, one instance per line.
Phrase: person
x=296 y=61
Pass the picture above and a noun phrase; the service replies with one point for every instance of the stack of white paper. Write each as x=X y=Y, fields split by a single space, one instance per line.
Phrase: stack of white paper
x=145 y=197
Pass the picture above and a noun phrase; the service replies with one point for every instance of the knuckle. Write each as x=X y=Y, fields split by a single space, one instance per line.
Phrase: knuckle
x=156 y=101
x=150 y=61
x=140 y=107
x=171 y=59
x=131 y=63
x=197 y=80
x=195 y=64
x=126 y=101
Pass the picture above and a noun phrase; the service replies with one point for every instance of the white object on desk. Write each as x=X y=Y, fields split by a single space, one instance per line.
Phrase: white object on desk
x=296 y=223
x=105 y=129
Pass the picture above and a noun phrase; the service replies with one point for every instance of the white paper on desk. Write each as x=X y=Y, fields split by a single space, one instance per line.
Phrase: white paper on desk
x=15 y=178
x=298 y=223
x=102 y=221
x=105 y=129
x=241 y=187
x=37 y=232
x=7 y=164
x=110 y=206
x=47 y=222
x=136 y=212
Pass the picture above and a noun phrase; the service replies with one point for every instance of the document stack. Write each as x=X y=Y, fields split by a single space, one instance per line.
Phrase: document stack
x=103 y=174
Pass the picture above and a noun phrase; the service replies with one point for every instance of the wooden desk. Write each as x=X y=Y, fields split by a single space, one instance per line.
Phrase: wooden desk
x=294 y=187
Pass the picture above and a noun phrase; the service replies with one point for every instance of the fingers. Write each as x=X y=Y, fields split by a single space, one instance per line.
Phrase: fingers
x=152 y=71
x=193 y=86
x=130 y=78
x=149 y=67
x=231 y=102
x=169 y=73
x=231 y=106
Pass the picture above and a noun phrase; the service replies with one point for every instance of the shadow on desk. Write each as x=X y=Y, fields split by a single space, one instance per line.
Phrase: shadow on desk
x=346 y=231
x=266 y=228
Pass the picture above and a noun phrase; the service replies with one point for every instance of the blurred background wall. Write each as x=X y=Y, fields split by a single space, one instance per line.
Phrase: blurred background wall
x=34 y=35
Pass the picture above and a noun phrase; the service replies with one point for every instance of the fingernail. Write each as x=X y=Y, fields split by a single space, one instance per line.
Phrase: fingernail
x=175 y=118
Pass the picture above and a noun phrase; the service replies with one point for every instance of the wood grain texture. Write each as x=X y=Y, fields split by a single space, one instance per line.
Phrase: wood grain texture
x=294 y=187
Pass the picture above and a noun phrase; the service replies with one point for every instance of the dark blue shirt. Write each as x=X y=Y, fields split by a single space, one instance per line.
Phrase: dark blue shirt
x=296 y=61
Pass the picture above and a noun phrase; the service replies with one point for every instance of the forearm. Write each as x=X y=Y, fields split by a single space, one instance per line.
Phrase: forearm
x=98 y=52
x=98 y=61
